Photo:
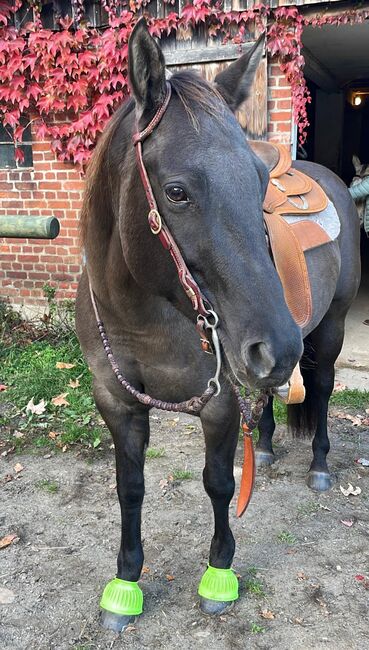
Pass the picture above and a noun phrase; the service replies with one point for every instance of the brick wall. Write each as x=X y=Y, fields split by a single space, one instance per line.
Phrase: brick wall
x=52 y=188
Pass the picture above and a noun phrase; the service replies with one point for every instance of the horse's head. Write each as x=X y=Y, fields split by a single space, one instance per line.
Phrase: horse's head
x=209 y=187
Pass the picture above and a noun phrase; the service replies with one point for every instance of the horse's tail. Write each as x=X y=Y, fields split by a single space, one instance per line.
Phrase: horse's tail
x=302 y=418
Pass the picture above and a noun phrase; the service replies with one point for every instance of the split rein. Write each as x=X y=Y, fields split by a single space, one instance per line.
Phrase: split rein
x=207 y=319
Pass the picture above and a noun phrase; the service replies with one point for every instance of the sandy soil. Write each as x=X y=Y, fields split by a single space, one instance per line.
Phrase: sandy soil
x=68 y=542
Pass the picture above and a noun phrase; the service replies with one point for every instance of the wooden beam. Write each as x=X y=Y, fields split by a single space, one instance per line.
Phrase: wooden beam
x=205 y=55
x=318 y=73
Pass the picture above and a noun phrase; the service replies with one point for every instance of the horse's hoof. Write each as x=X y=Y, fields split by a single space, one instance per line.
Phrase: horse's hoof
x=319 y=481
x=214 y=607
x=264 y=458
x=115 y=622
x=120 y=603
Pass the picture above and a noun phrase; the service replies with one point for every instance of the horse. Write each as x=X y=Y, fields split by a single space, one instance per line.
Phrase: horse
x=203 y=187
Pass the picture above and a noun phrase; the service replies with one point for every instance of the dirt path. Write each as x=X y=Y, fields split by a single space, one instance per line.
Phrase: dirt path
x=291 y=544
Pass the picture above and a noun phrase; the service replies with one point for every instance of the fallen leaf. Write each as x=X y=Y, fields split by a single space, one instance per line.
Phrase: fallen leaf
x=356 y=420
x=338 y=388
x=64 y=366
x=73 y=383
x=347 y=522
x=60 y=400
x=298 y=621
x=54 y=434
x=301 y=575
x=145 y=569
x=169 y=577
x=37 y=409
x=266 y=613
x=363 y=461
x=163 y=483
x=18 y=467
x=18 y=434
x=350 y=490
x=359 y=577
x=3 y=388
x=6 y=596
x=8 y=539
x=7 y=478
x=64 y=449
x=130 y=628
x=365 y=422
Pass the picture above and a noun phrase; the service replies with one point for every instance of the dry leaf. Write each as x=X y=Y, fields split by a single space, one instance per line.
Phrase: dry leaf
x=145 y=569
x=301 y=575
x=37 y=409
x=64 y=449
x=266 y=613
x=54 y=434
x=18 y=434
x=350 y=490
x=64 y=366
x=60 y=400
x=347 y=522
x=363 y=461
x=356 y=420
x=338 y=388
x=73 y=383
x=18 y=467
x=8 y=539
x=3 y=387
x=169 y=577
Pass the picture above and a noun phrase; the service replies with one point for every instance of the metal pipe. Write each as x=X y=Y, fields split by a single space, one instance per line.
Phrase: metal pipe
x=26 y=227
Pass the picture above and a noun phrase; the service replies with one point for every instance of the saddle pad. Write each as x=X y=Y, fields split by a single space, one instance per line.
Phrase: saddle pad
x=328 y=222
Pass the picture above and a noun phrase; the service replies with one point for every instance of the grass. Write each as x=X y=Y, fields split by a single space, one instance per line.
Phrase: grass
x=286 y=538
x=182 y=474
x=357 y=399
x=47 y=485
x=308 y=508
x=153 y=452
x=252 y=584
x=28 y=369
x=255 y=628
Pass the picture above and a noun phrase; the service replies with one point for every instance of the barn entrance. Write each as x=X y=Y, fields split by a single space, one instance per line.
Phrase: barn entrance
x=337 y=73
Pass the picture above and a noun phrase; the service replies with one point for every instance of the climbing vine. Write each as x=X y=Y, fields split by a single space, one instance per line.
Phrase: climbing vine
x=68 y=80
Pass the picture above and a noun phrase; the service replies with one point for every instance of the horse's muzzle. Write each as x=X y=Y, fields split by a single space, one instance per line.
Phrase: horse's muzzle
x=270 y=363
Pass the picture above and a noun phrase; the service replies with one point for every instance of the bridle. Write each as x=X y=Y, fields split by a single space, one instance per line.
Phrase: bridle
x=207 y=318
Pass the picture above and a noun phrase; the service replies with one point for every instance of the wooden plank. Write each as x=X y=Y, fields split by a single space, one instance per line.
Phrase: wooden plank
x=205 y=55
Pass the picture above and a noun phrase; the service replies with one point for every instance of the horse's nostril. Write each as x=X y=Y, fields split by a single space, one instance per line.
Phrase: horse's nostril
x=260 y=359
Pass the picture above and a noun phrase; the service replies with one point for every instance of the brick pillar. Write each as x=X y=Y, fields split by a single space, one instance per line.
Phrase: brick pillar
x=280 y=123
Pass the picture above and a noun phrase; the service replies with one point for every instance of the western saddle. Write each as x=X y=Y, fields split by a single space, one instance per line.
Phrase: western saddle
x=290 y=192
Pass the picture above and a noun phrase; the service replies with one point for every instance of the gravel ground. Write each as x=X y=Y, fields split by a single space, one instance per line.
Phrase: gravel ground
x=291 y=542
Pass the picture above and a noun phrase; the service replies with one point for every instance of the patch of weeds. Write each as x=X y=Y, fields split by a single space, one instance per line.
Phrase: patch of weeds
x=279 y=412
x=308 y=508
x=358 y=399
x=182 y=474
x=152 y=452
x=252 y=584
x=286 y=538
x=255 y=628
x=47 y=485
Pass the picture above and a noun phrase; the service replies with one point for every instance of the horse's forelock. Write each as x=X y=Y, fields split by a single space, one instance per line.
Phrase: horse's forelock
x=195 y=93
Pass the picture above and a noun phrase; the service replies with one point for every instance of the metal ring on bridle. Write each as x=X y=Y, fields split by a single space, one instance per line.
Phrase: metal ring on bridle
x=154 y=216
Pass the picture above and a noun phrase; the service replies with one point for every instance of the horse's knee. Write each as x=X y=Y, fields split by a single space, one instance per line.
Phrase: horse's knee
x=217 y=486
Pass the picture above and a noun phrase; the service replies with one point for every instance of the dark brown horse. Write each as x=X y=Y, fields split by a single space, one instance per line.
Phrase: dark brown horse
x=209 y=188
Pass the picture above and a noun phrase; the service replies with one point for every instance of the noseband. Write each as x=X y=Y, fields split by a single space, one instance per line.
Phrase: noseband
x=207 y=323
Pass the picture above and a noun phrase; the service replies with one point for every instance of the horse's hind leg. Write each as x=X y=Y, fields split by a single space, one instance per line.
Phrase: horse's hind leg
x=264 y=449
x=326 y=342
x=221 y=429
x=129 y=427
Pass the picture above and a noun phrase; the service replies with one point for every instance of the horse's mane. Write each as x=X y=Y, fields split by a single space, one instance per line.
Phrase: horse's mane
x=194 y=92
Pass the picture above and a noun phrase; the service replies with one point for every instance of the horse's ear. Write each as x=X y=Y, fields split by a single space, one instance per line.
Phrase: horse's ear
x=146 y=67
x=356 y=163
x=235 y=82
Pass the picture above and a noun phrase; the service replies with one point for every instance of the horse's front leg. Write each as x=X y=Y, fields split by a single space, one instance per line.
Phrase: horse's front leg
x=122 y=599
x=221 y=422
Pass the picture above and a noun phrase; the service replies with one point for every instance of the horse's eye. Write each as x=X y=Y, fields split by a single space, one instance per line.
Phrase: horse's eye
x=176 y=194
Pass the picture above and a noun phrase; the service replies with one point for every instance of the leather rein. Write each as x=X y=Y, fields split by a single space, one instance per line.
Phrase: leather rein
x=207 y=321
